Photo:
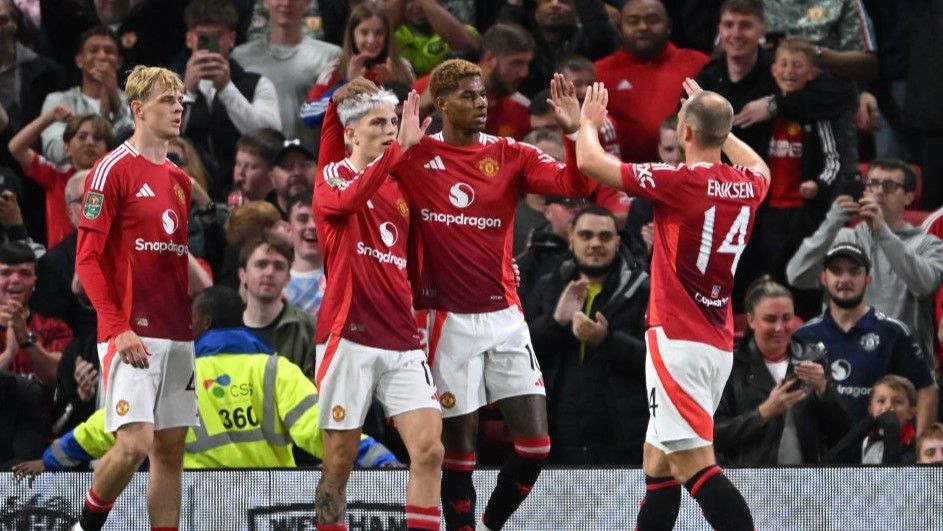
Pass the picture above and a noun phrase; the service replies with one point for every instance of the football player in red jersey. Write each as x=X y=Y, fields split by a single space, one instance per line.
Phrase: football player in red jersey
x=463 y=187
x=367 y=342
x=703 y=215
x=133 y=237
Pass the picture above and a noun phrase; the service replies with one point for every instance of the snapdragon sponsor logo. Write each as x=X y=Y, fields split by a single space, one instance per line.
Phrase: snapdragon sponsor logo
x=169 y=221
x=380 y=256
x=460 y=219
x=388 y=233
x=141 y=244
x=461 y=195
x=710 y=302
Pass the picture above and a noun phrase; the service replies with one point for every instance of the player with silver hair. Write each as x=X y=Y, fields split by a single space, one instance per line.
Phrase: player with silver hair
x=353 y=109
x=367 y=340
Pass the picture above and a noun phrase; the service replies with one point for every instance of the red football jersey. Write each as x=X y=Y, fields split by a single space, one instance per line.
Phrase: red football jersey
x=508 y=116
x=703 y=216
x=643 y=93
x=53 y=179
x=785 y=164
x=362 y=221
x=141 y=209
x=463 y=200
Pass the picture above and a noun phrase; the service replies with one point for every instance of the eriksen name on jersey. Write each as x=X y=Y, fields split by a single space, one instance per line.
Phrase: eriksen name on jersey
x=724 y=190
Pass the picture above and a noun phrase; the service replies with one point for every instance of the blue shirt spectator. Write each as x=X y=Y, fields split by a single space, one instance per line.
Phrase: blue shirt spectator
x=875 y=346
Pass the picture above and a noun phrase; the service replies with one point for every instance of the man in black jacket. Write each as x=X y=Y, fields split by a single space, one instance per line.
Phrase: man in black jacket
x=224 y=101
x=588 y=338
x=549 y=245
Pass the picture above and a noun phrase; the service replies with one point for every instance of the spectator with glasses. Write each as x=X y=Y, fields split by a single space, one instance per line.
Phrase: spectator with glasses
x=907 y=264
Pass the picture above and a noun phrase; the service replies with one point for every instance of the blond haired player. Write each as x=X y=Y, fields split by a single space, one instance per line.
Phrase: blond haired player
x=133 y=239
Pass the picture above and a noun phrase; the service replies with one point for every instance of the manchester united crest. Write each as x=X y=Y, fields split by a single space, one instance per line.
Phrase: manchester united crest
x=180 y=195
x=488 y=166
x=448 y=400
x=402 y=208
x=122 y=408
x=338 y=413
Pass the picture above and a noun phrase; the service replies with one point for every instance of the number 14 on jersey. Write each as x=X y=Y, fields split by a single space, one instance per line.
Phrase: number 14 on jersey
x=734 y=242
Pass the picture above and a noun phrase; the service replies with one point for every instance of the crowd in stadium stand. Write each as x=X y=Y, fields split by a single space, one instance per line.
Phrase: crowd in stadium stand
x=838 y=300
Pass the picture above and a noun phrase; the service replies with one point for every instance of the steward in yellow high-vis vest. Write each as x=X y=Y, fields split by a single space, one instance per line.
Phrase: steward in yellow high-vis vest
x=254 y=407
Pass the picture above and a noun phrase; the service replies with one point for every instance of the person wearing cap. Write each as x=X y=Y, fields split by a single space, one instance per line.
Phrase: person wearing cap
x=587 y=331
x=907 y=264
x=292 y=174
x=863 y=343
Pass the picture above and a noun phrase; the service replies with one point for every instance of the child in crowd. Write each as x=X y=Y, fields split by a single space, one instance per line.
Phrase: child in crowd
x=86 y=138
x=887 y=434
x=255 y=159
x=893 y=406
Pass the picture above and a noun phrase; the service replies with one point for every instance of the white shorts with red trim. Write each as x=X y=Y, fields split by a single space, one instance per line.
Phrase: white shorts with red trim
x=163 y=394
x=481 y=358
x=685 y=381
x=350 y=374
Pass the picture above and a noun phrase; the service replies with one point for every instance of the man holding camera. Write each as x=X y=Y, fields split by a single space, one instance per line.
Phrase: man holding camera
x=224 y=101
x=906 y=264
x=864 y=344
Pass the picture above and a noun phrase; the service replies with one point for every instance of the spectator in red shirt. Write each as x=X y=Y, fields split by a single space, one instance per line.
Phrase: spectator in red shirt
x=85 y=138
x=31 y=344
x=644 y=77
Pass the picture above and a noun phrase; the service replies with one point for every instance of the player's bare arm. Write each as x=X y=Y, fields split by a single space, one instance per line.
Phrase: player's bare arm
x=741 y=154
x=591 y=159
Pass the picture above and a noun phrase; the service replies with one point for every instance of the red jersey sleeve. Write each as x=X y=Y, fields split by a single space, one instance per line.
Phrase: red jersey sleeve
x=545 y=175
x=332 y=148
x=653 y=181
x=102 y=197
x=112 y=318
x=42 y=172
x=326 y=80
x=337 y=196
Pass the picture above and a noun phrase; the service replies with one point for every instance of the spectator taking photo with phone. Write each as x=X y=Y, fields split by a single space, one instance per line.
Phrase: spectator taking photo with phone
x=223 y=100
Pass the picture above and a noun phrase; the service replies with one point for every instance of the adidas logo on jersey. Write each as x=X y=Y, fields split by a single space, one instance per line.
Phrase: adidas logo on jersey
x=435 y=164
x=624 y=85
x=145 y=191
